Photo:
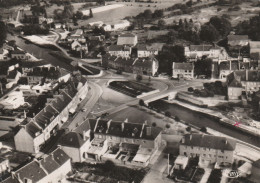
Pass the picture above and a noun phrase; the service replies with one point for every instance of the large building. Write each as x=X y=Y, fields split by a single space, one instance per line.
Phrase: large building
x=51 y=169
x=120 y=51
x=238 y=40
x=209 y=149
x=216 y=53
x=247 y=81
x=123 y=142
x=142 y=66
x=35 y=131
x=144 y=51
x=183 y=70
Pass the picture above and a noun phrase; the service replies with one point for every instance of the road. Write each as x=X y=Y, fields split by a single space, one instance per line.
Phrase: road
x=96 y=92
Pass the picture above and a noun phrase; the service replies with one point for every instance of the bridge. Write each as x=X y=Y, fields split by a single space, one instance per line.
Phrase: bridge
x=169 y=94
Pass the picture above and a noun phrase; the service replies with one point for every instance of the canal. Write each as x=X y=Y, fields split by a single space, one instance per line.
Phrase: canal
x=40 y=52
x=200 y=120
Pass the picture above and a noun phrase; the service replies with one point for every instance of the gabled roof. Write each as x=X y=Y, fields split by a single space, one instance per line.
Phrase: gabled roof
x=202 y=47
x=182 y=66
x=72 y=139
x=17 y=52
x=118 y=48
x=126 y=39
x=209 y=141
x=123 y=129
x=37 y=170
x=12 y=74
x=237 y=37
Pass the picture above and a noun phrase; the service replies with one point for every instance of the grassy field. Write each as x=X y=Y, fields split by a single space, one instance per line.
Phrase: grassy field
x=205 y=14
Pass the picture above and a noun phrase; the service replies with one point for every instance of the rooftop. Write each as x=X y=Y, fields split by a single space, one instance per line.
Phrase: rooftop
x=72 y=139
x=208 y=141
x=182 y=66
x=123 y=129
x=237 y=37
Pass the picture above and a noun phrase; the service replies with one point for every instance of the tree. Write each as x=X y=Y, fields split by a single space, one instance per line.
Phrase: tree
x=141 y=102
x=168 y=126
x=139 y=77
x=203 y=129
x=190 y=89
x=188 y=129
x=158 y=14
x=90 y=13
x=154 y=124
x=177 y=118
x=161 y=24
x=147 y=14
x=168 y=114
x=222 y=25
x=68 y=11
x=209 y=33
x=2 y=33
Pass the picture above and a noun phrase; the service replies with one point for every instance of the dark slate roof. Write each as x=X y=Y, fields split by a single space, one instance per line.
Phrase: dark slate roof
x=123 y=129
x=50 y=73
x=12 y=74
x=201 y=47
x=17 y=52
x=35 y=170
x=72 y=139
x=183 y=66
x=126 y=39
x=49 y=164
x=31 y=171
x=83 y=127
x=60 y=156
x=32 y=129
x=257 y=163
x=237 y=37
x=209 y=141
x=28 y=64
x=119 y=48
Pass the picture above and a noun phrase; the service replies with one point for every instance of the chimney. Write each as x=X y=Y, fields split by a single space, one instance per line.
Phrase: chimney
x=52 y=157
x=226 y=141
x=33 y=114
x=246 y=74
x=123 y=126
x=183 y=140
x=230 y=65
x=148 y=131
x=13 y=174
x=190 y=137
x=18 y=177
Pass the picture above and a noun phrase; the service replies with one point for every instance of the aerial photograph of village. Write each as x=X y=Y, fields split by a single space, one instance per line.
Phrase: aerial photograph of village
x=130 y=91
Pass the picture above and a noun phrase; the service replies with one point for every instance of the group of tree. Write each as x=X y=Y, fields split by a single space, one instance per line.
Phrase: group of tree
x=148 y=14
x=168 y=55
x=217 y=27
x=3 y=32
x=32 y=29
x=63 y=14
x=250 y=27
x=9 y=3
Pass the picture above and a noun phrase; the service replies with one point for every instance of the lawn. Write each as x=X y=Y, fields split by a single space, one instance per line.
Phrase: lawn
x=130 y=88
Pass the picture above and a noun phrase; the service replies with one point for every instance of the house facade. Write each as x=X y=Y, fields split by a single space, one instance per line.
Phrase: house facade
x=144 y=51
x=120 y=51
x=123 y=142
x=34 y=132
x=4 y=167
x=19 y=54
x=247 y=81
x=75 y=145
x=216 y=53
x=209 y=149
x=183 y=70
x=52 y=169
x=142 y=66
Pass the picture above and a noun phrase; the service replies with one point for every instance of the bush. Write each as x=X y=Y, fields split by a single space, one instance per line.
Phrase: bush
x=168 y=114
x=139 y=78
x=154 y=124
x=203 y=129
x=167 y=126
x=177 y=118
x=188 y=129
x=141 y=102
x=190 y=89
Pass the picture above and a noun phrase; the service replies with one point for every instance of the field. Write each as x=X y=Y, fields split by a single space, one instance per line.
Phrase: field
x=203 y=15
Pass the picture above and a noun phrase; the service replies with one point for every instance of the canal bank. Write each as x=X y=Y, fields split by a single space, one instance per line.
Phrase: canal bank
x=43 y=52
x=200 y=119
